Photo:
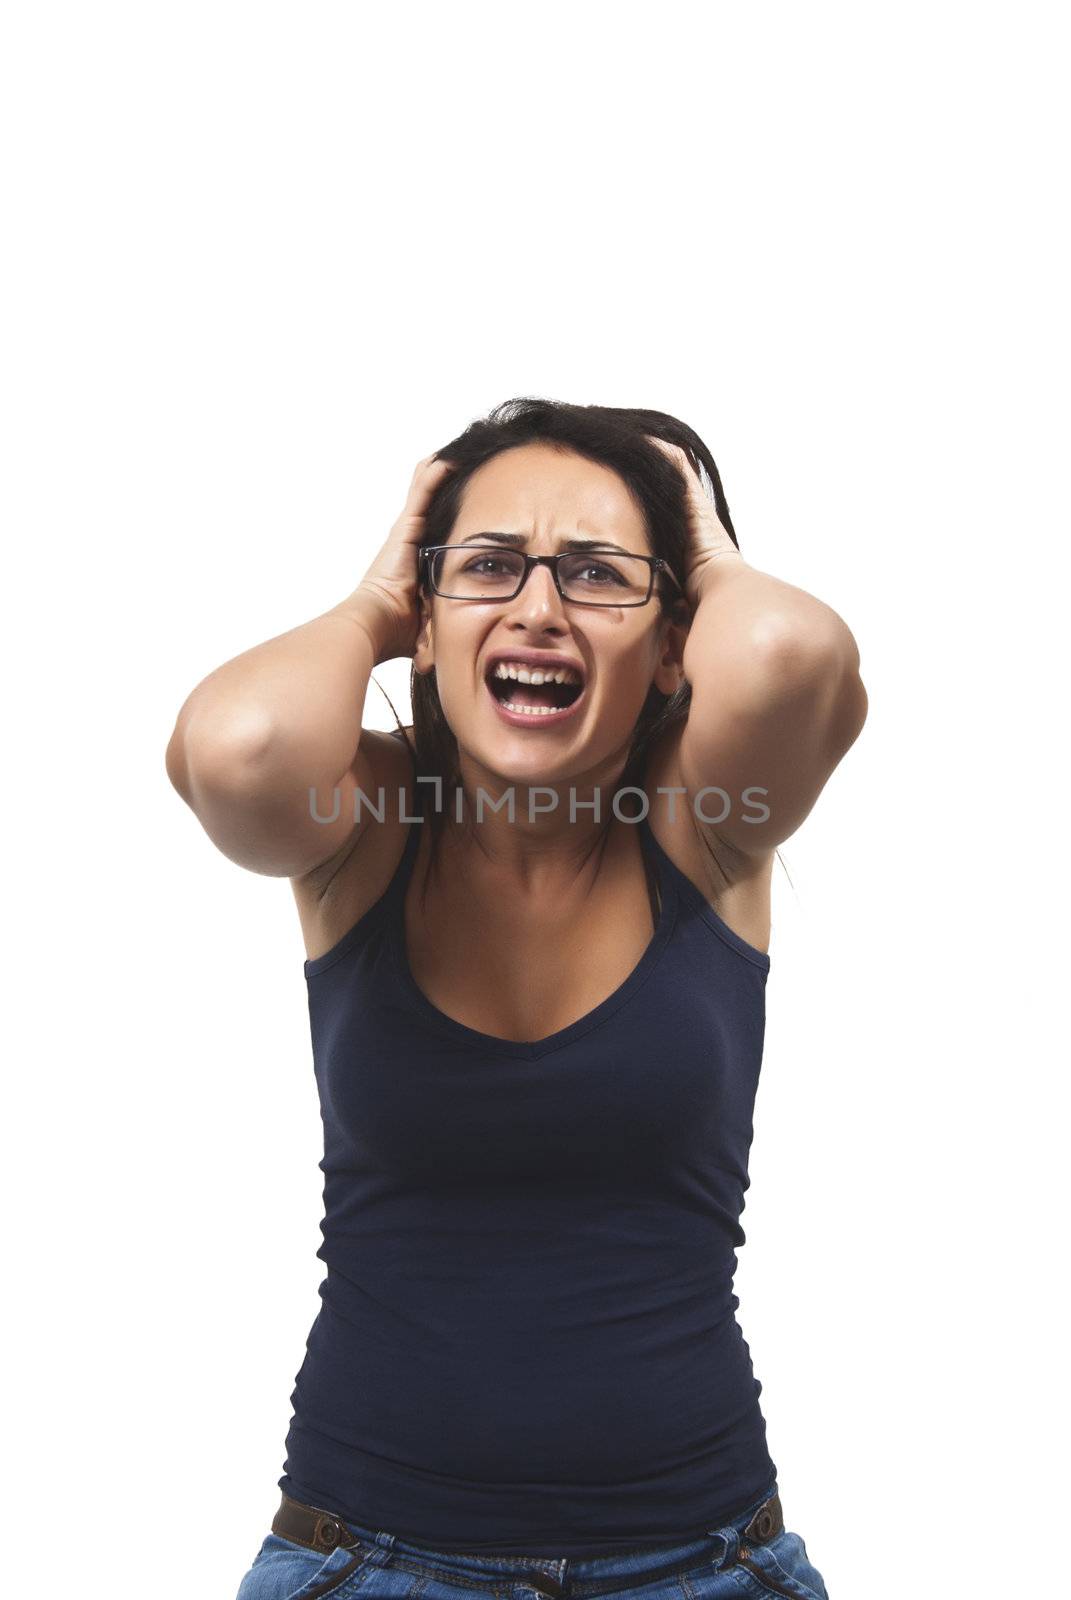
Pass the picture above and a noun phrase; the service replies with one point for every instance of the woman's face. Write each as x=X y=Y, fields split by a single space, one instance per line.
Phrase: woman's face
x=549 y=497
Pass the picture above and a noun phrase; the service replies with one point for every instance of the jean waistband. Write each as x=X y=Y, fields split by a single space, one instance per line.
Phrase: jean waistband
x=558 y=1577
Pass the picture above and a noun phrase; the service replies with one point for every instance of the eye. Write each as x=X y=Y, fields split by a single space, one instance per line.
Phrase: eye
x=490 y=566
x=599 y=574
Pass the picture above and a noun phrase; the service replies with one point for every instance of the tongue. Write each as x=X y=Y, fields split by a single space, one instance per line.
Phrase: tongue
x=531 y=694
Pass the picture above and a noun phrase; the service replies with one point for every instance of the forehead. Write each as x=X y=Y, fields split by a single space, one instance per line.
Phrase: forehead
x=535 y=489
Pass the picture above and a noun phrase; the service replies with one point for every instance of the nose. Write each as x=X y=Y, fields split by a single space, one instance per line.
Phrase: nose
x=539 y=599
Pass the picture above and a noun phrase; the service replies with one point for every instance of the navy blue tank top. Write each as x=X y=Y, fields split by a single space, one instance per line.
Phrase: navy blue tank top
x=527 y=1339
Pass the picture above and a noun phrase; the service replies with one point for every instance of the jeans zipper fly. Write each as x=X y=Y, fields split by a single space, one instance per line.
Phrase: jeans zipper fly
x=764 y=1578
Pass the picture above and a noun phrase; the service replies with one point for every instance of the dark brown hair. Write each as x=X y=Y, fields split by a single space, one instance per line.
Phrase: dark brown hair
x=613 y=436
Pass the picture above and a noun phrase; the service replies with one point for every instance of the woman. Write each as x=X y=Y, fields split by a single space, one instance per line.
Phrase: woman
x=536 y=927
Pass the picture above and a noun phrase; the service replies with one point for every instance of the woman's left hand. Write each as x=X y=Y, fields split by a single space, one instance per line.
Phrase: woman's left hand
x=708 y=537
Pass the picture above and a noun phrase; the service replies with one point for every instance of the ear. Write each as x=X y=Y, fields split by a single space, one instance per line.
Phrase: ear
x=424 y=650
x=672 y=632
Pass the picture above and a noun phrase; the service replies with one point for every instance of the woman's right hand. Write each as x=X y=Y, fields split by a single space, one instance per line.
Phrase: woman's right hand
x=389 y=587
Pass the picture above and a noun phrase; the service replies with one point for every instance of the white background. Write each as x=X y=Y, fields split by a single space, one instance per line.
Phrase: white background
x=260 y=259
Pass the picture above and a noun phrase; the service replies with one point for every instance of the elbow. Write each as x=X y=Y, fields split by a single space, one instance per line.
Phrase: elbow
x=178 y=771
x=816 y=668
x=851 y=711
x=219 y=755
x=792 y=656
x=848 y=693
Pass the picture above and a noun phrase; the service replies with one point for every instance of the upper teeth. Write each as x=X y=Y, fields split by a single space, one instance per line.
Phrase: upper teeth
x=523 y=674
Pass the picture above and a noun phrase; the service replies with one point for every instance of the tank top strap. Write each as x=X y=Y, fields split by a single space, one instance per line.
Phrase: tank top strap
x=373 y=918
x=691 y=896
x=652 y=850
x=404 y=870
x=658 y=888
x=672 y=880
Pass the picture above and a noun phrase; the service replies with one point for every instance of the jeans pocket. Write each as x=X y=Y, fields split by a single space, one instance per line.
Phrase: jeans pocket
x=782 y=1566
x=285 y=1570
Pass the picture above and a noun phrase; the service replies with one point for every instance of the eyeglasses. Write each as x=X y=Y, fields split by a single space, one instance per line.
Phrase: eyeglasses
x=590 y=578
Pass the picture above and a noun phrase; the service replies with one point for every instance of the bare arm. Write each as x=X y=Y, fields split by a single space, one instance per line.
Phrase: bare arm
x=777 y=698
x=284 y=718
x=777 y=701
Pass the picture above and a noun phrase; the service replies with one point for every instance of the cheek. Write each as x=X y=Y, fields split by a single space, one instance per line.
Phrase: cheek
x=625 y=676
x=455 y=648
x=460 y=687
x=458 y=692
x=628 y=668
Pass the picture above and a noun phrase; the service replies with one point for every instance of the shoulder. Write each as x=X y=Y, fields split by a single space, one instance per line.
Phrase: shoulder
x=337 y=892
x=734 y=883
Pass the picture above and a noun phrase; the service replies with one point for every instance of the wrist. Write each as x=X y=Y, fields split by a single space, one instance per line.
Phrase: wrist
x=708 y=574
x=371 y=613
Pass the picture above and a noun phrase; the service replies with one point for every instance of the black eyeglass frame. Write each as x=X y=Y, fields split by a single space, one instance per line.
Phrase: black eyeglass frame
x=655 y=564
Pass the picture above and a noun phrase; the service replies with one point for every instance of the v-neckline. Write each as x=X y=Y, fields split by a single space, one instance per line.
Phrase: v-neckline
x=531 y=1049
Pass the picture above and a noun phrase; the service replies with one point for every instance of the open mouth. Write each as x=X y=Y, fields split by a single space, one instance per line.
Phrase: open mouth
x=515 y=689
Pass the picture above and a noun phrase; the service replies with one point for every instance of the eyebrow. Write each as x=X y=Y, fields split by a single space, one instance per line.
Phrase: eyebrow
x=566 y=544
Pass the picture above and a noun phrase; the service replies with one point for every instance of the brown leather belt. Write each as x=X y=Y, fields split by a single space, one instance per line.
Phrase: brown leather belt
x=320 y=1530
x=325 y=1531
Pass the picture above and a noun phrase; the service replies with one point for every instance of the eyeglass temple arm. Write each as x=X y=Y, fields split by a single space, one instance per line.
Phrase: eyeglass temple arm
x=664 y=566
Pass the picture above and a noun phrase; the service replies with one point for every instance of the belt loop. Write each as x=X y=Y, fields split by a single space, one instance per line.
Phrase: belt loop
x=384 y=1548
x=730 y=1537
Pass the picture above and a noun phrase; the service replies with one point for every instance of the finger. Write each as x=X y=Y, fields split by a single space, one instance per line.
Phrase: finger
x=430 y=463
x=429 y=474
x=431 y=470
x=672 y=452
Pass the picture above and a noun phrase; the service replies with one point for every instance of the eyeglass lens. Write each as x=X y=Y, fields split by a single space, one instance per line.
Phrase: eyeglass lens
x=601 y=579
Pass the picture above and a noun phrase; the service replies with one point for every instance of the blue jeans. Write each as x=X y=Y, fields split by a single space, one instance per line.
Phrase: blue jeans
x=385 y=1567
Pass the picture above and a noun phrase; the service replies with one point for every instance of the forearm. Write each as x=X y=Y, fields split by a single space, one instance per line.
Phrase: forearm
x=751 y=630
x=288 y=711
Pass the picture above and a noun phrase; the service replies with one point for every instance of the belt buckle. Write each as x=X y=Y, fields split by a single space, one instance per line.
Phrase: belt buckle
x=767 y=1522
x=330 y=1532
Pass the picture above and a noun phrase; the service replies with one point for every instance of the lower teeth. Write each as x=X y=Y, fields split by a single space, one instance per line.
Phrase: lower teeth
x=532 y=711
